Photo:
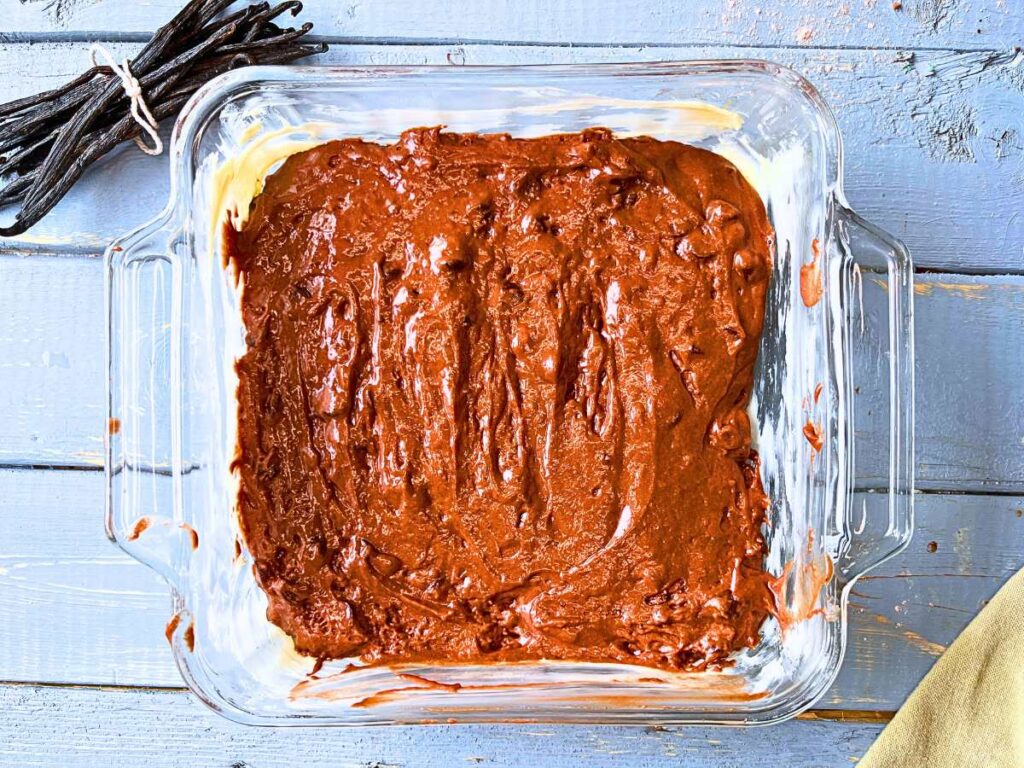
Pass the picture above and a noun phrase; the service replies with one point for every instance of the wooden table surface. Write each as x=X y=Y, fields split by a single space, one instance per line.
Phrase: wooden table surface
x=930 y=100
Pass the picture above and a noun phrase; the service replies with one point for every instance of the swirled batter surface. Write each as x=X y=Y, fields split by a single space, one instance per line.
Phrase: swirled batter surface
x=493 y=403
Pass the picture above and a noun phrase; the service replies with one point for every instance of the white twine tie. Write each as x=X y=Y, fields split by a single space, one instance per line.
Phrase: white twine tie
x=132 y=89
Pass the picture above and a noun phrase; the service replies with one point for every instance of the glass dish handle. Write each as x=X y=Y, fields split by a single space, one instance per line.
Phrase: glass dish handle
x=143 y=456
x=877 y=265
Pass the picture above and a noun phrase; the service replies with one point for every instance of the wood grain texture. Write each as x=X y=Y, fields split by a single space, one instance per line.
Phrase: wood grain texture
x=930 y=100
x=934 y=141
x=51 y=360
x=75 y=609
x=970 y=412
x=44 y=726
x=849 y=23
x=904 y=614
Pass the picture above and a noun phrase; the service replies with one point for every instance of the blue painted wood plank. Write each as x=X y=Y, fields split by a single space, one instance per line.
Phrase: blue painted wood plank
x=74 y=609
x=934 y=141
x=939 y=130
x=850 y=23
x=52 y=381
x=65 y=727
x=970 y=414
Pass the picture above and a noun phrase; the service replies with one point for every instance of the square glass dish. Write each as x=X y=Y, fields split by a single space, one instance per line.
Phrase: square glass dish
x=175 y=331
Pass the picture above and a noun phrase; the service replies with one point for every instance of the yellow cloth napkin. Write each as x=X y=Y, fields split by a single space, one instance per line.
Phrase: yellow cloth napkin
x=969 y=709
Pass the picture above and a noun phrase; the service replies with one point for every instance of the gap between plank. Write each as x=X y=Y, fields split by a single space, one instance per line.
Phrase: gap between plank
x=27 y=250
x=873 y=716
x=148 y=469
x=90 y=36
x=879 y=716
x=976 y=272
x=164 y=472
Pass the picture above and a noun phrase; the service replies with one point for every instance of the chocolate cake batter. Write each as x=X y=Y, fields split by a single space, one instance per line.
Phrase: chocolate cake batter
x=493 y=405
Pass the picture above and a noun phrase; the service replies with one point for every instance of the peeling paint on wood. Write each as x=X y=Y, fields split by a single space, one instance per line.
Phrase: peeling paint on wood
x=930 y=99
x=169 y=728
x=940 y=99
x=914 y=638
x=927 y=287
x=963 y=290
x=969 y=417
x=911 y=167
x=58 y=13
x=78 y=609
x=853 y=23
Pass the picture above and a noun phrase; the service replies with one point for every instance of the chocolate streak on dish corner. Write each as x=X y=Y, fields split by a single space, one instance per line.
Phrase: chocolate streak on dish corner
x=726 y=689
x=140 y=527
x=812 y=281
x=493 y=403
x=797 y=589
x=193 y=535
x=172 y=627
x=812 y=431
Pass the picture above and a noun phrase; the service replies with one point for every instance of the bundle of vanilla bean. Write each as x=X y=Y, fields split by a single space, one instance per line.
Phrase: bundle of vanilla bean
x=48 y=140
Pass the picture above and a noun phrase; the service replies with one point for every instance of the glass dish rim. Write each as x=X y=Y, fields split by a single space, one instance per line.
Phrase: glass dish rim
x=177 y=213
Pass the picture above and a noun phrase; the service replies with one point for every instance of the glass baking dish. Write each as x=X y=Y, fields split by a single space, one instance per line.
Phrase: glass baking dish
x=175 y=330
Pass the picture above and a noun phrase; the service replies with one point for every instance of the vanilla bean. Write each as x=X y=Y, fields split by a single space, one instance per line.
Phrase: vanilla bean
x=246 y=12
x=56 y=109
x=48 y=140
x=30 y=101
x=62 y=152
x=12 y=191
x=285 y=37
x=270 y=13
x=90 y=148
x=16 y=162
